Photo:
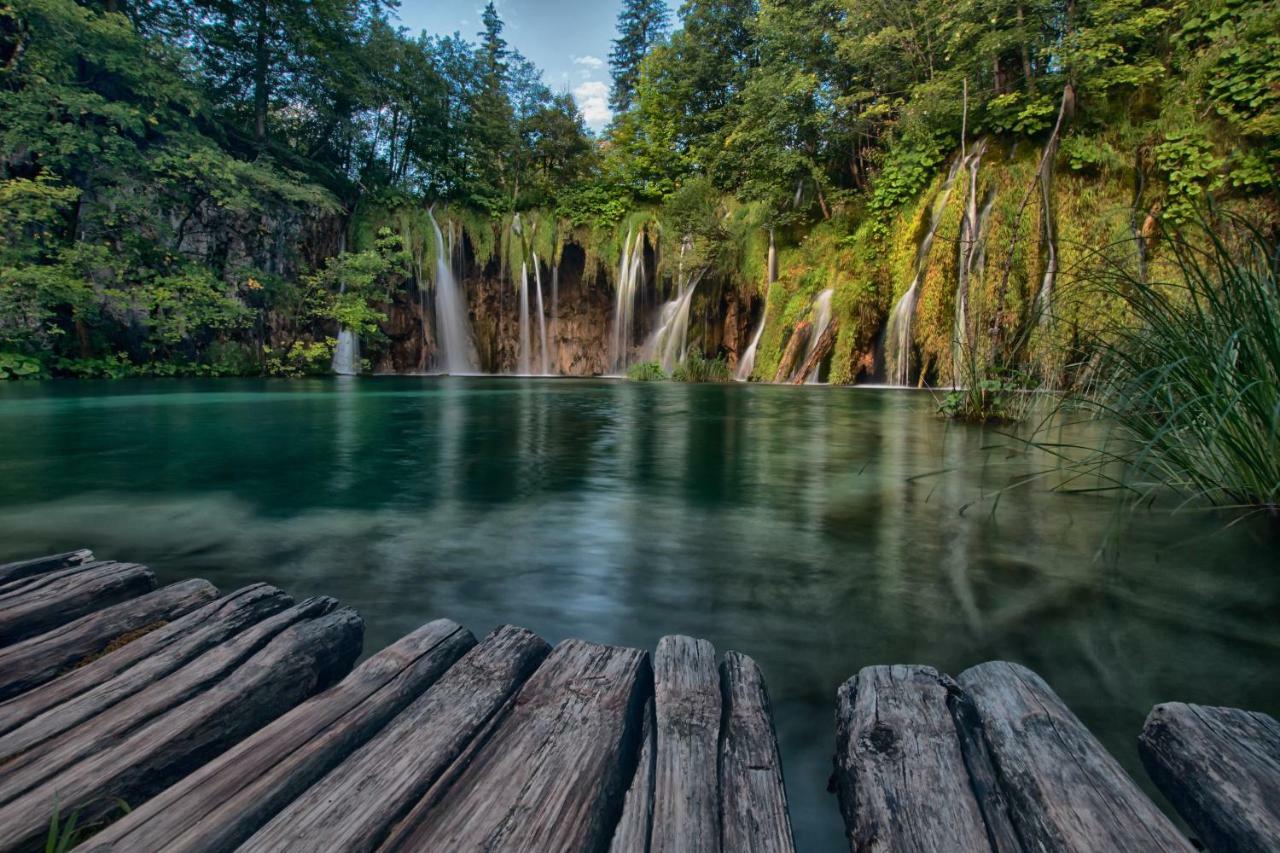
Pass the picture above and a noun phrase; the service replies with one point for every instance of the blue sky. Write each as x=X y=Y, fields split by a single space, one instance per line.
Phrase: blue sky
x=568 y=39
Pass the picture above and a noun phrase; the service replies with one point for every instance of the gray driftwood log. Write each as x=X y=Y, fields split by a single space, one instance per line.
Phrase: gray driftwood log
x=357 y=803
x=551 y=772
x=753 y=801
x=1064 y=790
x=686 y=789
x=223 y=803
x=40 y=565
x=305 y=657
x=41 y=658
x=900 y=768
x=58 y=598
x=631 y=835
x=84 y=693
x=1220 y=767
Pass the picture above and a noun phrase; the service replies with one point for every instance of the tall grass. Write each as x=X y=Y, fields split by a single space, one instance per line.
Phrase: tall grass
x=1192 y=381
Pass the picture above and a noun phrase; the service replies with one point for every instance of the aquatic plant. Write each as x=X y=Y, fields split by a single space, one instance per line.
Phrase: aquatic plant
x=646 y=371
x=698 y=368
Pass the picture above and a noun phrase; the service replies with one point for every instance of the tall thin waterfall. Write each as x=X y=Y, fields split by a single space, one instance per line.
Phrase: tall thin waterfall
x=630 y=276
x=346 y=355
x=544 y=355
x=898 y=333
x=972 y=224
x=748 y=361
x=453 y=331
x=524 y=357
x=821 y=320
x=670 y=343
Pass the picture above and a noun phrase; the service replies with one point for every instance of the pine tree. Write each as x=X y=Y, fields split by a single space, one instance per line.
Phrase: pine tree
x=641 y=25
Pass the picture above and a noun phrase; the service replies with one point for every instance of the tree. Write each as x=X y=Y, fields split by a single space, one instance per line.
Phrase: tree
x=642 y=24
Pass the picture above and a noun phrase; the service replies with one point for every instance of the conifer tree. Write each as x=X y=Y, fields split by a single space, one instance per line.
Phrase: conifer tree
x=641 y=25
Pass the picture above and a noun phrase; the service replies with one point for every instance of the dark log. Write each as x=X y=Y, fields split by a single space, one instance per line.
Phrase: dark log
x=47 y=712
x=795 y=347
x=294 y=665
x=70 y=594
x=10 y=589
x=227 y=800
x=1220 y=767
x=900 y=770
x=753 y=799
x=39 y=659
x=1065 y=792
x=45 y=760
x=687 y=701
x=551 y=774
x=821 y=349
x=636 y=824
x=40 y=565
x=357 y=804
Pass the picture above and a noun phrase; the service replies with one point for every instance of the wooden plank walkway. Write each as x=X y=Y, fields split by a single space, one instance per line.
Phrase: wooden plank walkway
x=237 y=722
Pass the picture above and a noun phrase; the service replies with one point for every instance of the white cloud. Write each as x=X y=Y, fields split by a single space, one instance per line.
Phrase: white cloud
x=593 y=99
x=589 y=61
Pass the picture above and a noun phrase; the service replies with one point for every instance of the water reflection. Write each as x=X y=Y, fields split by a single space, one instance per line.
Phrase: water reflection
x=819 y=530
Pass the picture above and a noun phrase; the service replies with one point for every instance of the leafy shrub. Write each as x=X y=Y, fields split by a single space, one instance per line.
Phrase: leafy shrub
x=17 y=366
x=989 y=400
x=301 y=358
x=646 y=371
x=698 y=368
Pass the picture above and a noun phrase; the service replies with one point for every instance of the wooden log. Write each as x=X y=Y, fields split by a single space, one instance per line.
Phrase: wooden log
x=753 y=799
x=686 y=790
x=223 y=803
x=40 y=565
x=11 y=589
x=1220 y=767
x=305 y=657
x=357 y=804
x=32 y=610
x=900 y=771
x=821 y=349
x=795 y=347
x=39 y=659
x=552 y=772
x=43 y=761
x=636 y=824
x=59 y=706
x=1065 y=792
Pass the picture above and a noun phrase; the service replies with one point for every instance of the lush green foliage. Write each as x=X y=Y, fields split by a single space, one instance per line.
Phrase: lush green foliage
x=646 y=371
x=697 y=367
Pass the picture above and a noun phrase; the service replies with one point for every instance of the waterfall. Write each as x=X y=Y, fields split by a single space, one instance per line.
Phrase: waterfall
x=821 y=320
x=748 y=362
x=346 y=355
x=453 y=332
x=630 y=276
x=970 y=249
x=670 y=343
x=898 y=332
x=544 y=354
x=524 y=359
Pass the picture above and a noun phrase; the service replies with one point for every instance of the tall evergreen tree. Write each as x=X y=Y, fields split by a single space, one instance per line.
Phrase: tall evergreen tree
x=641 y=25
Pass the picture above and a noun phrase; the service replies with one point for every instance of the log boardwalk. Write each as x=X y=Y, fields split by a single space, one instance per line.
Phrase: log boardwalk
x=184 y=719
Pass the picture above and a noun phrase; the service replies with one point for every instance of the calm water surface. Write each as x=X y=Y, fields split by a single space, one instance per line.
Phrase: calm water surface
x=818 y=530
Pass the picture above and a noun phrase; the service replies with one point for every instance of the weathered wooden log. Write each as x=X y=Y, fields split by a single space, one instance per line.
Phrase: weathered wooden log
x=1220 y=767
x=686 y=790
x=40 y=565
x=304 y=658
x=223 y=803
x=48 y=711
x=356 y=805
x=795 y=347
x=10 y=589
x=34 y=765
x=551 y=774
x=753 y=798
x=34 y=661
x=900 y=770
x=1064 y=790
x=37 y=608
x=821 y=349
x=631 y=835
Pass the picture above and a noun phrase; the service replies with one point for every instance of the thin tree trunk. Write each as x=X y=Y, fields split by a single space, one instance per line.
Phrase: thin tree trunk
x=261 y=64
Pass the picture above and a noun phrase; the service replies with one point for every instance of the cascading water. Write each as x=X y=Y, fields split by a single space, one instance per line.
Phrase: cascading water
x=970 y=249
x=453 y=332
x=898 y=333
x=543 y=352
x=524 y=357
x=748 y=362
x=630 y=276
x=670 y=342
x=346 y=355
x=821 y=320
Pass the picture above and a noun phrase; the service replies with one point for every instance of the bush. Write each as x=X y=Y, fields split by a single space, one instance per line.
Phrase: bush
x=646 y=371
x=698 y=368
x=301 y=358
x=16 y=366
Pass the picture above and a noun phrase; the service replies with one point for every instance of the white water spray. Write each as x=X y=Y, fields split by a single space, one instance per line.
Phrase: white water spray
x=630 y=277
x=346 y=355
x=455 y=353
x=543 y=353
x=821 y=320
x=524 y=357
